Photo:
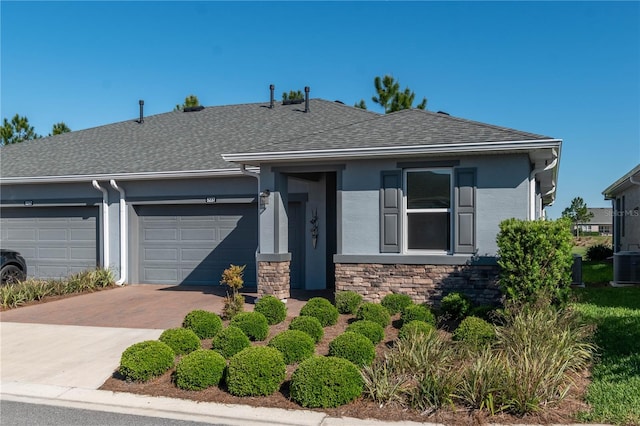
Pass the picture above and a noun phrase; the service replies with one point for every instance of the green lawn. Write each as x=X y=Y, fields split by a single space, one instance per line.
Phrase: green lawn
x=614 y=394
x=597 y=272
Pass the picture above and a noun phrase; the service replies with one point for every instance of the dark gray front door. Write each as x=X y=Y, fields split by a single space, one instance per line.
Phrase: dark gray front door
x=55 y=241
x=296 y=244
x=193 y=244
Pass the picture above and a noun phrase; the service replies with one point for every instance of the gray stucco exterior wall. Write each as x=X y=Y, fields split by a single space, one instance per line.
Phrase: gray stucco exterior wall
x=502 y=193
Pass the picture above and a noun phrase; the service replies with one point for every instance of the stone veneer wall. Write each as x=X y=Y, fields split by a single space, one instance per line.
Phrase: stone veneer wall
x=273 y=278
x=424 y=283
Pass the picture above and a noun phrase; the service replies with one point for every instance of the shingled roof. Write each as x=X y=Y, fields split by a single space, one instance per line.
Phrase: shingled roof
x=194 y=141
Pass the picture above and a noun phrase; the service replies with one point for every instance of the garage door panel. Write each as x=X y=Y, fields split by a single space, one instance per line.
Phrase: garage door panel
x=160 y=254
x=197 y=244
x=55 y=241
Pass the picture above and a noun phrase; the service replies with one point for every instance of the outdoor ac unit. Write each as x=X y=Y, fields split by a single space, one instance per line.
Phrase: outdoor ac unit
x=626 y=267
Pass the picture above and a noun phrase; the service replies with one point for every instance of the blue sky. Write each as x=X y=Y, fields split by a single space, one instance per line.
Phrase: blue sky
x=570 y=70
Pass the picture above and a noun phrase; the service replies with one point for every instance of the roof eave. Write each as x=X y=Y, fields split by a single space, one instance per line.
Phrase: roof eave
x=621 y=184
x=394 y=151
x=184 y=174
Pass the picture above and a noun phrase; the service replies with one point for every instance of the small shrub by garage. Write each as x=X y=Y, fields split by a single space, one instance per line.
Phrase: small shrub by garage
x=374 y=312
x=274 y=309
x=369 y=329
x=310 y=325
x=295 y=345
x=181 y=340
x=204 y=323
x=599 y=252
x=230 y=341
x=347 y=302
x=353 y=346
x=253 y=324
x=414 y=327
x=145 y=360
x=324 y=382
x=199 y=370
x=455 y=305
x=255 y=371
x=474 y=331
x=396 y=302
x=418 y=312
x=322 y=309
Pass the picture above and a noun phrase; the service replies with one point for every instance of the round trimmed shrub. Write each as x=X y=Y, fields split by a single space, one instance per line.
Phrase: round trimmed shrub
x=369 y=329
x=396 y=302
x=456 y=305
x=418 y=312
x=347 y=302
x=145 y=360
x=295 y=345
x=274 y=309
x=255 y=371
x=310 y=325
x=374 y=312
x=199 y=370
x=204 y=323
x=599 y=252
x=181 y=340
x=414 y=327
x=322 y=309
x=353 y=346
x=324 y=382
x=253 y=324
x=475 y=331
x=230 y=341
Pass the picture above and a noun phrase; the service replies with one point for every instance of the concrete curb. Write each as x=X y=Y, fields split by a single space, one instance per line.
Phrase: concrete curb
x=179 y=409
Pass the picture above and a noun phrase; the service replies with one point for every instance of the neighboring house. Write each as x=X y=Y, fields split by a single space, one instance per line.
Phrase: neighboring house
x=625 y=197
x=601 y=221
x=309 y=196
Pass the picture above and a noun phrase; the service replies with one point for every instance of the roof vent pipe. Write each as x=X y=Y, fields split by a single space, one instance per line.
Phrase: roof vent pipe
x=272 y=88
x=141 y=120
x=306 y=98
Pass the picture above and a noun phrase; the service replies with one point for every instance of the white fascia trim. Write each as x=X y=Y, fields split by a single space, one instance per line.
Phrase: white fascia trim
x=186 y=174
x=394 y=150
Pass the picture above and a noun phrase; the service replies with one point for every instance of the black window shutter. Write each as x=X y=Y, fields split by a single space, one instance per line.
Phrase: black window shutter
x=390 y=211
x=465 y=210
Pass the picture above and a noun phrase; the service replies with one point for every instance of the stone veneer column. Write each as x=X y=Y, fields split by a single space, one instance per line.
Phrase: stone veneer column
x=273 y=278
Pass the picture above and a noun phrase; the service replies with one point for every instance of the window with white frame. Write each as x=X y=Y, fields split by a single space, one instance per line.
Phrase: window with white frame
x=427 y=205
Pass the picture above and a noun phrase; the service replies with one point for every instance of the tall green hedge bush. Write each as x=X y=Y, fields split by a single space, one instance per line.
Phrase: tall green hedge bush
x=535 y=259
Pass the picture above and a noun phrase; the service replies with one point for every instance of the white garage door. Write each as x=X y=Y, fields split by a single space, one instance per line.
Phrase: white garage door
x=55 y=241
x=193 y=244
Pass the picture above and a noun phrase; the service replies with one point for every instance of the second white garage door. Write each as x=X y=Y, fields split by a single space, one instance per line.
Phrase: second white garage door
x=193 y=244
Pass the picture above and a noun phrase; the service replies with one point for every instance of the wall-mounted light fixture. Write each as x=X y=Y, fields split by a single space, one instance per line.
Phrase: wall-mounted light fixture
x=264 y=197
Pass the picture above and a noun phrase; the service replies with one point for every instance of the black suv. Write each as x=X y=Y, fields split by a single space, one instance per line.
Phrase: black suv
x=13 y=266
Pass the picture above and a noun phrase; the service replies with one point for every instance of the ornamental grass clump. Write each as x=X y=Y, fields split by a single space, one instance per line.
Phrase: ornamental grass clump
x=374 y=312
x=199 y=370
x=310 y=325
x=322 y=309
x=253 y=324
x=274 y=309
x=474 y=331
x=181 y=340
x=347 y=302
x=143 y=361
x=414 y=327
x=325 y=382
x=229 y=341
x=353 y=346
x=204 y=323
x=295 y=345
x=371 y=330
x=419 y=313
x=396 y=302
x=256 y=371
